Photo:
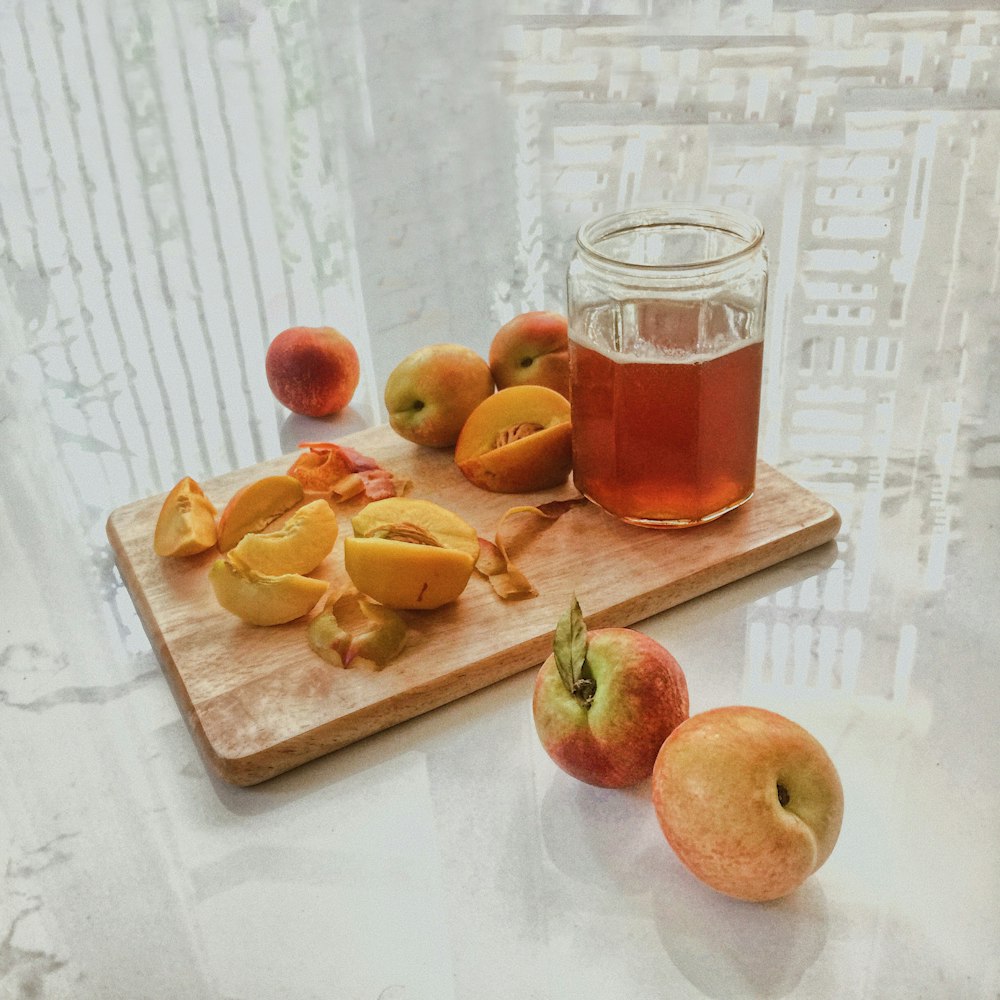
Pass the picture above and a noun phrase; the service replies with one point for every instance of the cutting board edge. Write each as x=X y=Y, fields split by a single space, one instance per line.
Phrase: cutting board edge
x=820 y=531
x=261 y=765
x=161 y=649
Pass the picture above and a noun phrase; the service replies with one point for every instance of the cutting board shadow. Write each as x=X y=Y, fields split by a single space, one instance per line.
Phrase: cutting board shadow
x=259 y=702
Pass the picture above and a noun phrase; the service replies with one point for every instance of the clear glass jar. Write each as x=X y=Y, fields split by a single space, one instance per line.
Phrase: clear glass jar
x=666 y=334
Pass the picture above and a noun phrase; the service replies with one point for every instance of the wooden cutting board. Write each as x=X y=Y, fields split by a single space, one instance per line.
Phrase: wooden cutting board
x=260 y=702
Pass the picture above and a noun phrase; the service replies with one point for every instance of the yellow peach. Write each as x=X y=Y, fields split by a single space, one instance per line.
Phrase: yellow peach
x=517 y=441
x=429 y=394
x=410 y=554
x=260 y=599
x=186 y=523
x=298 y=546
x=532 y=349
x=255 y=505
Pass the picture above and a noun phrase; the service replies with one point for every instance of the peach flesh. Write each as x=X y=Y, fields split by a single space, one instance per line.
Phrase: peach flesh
x=492 y=453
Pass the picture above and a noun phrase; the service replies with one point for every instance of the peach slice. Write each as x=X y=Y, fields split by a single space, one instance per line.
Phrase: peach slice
x=254 y=506
x=517 y=441
x=298 y=546
x=186 y=523
x=410 y=554
x=260 y=599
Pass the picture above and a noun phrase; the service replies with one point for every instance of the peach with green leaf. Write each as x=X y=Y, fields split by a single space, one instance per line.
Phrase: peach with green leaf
x=605 y=700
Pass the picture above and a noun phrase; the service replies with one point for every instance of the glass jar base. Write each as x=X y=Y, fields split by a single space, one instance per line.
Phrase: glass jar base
x=674 y=522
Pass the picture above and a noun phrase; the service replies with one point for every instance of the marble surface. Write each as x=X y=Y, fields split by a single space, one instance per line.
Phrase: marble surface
x=181 y=180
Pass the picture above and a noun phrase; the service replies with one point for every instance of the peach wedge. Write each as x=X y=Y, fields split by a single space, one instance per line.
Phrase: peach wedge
x=410 y=554
x=254 y=506
x=186 y=523
x=517 y=441
x=260 y=599
x=298 y=546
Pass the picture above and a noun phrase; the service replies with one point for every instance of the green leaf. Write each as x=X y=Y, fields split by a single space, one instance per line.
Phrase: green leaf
x=570 y=650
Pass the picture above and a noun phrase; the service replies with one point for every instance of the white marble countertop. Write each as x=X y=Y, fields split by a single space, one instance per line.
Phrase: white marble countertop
x=181 y=180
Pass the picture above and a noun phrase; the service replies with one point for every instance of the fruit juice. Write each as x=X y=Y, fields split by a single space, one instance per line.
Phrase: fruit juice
x=666 y=438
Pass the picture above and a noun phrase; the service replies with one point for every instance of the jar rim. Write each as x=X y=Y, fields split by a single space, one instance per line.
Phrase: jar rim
x=741 y=225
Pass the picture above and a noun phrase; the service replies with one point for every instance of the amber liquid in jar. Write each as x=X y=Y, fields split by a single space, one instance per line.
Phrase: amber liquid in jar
x=666 y=442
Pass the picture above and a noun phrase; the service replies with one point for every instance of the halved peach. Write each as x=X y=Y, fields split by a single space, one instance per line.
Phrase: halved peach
x=445 y=527
x=186 y=523
x=411 y=554
x=517 y=441
x=298 y=546
x=254 y=506
x=403 y=575
x=261 y=599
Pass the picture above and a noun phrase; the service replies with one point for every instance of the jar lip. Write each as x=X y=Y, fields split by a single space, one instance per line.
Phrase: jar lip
x=741 y=225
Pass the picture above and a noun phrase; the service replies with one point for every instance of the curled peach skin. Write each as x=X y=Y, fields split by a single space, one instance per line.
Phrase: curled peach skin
x=186 y=523
x=517 y=441
x=343 y=472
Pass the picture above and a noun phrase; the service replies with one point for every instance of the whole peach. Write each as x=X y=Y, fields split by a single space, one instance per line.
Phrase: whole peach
x=611 y=739
x=749 y=800
x=430 y=393
x=532 y=349
x=312 y=370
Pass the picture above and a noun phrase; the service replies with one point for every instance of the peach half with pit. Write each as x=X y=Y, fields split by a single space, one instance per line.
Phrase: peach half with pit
x=298 y=546
x=517 y=441
x=255 y=506
x=410 y=554
x=260 y=598
x=186 y=522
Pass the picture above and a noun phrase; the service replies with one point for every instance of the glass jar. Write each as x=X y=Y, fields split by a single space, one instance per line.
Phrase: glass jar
x=666 y=335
